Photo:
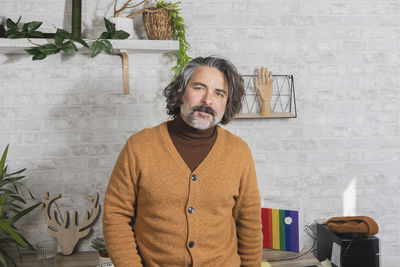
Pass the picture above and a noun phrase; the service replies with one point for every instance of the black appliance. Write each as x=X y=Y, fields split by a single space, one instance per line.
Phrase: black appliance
x=347 y=250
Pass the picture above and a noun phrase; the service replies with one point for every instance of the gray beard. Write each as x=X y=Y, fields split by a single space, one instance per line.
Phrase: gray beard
x=197 y=124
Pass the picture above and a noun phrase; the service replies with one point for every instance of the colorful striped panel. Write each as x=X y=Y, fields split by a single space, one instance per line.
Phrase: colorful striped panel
x=278 y=234
x=275 y=229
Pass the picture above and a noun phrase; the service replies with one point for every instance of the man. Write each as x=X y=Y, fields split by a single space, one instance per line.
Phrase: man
x=184 y=193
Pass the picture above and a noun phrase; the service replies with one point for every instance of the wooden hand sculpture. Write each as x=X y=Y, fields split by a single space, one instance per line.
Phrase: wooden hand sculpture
x=265 y=88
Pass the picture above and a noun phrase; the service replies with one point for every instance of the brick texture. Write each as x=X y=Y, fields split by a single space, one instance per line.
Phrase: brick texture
x=66 y=117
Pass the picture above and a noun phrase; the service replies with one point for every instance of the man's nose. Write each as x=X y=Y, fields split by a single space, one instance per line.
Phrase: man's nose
x=207 y=98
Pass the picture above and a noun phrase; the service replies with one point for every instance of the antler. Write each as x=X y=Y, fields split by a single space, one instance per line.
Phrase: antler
x=68 y=237
x=54 y=225
x=89 y=216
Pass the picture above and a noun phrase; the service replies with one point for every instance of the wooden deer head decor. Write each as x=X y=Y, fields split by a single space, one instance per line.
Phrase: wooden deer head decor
x=67 y=236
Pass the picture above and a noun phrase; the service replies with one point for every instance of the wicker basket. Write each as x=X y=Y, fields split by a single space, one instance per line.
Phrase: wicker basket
x=158 y=24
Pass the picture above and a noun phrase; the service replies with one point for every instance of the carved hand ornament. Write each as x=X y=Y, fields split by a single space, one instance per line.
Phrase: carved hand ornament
x=264 y=86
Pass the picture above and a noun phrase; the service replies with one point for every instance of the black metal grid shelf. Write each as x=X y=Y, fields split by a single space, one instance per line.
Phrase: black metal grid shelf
x=283 y=101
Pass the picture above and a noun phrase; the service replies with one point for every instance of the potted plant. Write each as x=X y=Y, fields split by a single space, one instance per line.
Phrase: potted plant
x=164 y=21
x=125 y=23
x=99 y=245
x=11 y=210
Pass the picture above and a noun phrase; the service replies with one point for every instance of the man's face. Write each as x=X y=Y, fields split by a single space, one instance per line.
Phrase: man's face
x=205 y=97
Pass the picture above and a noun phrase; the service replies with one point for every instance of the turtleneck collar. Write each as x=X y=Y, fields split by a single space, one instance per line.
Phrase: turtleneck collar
x=192 y=144
x=182 y=130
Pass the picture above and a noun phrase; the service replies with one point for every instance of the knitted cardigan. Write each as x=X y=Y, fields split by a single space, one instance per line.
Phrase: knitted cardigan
x=159 y=213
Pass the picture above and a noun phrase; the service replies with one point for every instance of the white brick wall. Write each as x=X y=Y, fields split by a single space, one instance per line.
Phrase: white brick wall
x=66 y=118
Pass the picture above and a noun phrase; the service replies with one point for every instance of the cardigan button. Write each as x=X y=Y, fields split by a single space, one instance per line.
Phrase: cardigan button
x=191 y=244
x=191 y=210
x=194 y=177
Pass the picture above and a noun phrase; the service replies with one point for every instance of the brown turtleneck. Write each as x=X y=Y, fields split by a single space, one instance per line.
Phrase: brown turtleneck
x=192 y=144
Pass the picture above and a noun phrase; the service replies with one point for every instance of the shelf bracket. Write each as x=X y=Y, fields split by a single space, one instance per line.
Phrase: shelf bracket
x=125 y=70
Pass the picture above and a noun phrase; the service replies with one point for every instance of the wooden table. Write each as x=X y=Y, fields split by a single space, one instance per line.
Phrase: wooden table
x=78 y=259
x=89 y=259
x=278 y=258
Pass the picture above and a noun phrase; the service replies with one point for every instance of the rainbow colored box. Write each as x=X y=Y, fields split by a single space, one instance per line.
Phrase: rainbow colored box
x=281 y=229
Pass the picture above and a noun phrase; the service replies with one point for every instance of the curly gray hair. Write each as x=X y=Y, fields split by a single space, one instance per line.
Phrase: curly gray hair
x=174 y=91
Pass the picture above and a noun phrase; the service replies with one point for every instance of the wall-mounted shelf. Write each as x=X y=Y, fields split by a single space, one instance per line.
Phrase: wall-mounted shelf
x=121 y=47
x=283 y=102
x=259 y=116
x=17 y=46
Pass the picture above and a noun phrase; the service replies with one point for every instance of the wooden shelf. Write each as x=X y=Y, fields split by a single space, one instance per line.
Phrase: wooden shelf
x=18 y=46
x=121 y=47
x=258 y=116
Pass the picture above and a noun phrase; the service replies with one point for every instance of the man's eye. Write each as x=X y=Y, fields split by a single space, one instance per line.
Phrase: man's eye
x=198 y=88
x=219 y=94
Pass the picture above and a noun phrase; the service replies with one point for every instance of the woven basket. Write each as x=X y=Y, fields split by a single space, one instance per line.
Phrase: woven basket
x=158 y=24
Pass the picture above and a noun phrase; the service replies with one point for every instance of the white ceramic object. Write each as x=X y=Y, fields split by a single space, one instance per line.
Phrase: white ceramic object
x=104 y=262
x=125 y=24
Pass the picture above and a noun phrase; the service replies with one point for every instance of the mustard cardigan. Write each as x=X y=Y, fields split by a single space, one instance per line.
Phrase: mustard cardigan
x=159 y=213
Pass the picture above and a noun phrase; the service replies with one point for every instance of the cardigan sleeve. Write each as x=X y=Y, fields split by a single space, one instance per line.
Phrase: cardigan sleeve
x=119 y=211
x=247 y=214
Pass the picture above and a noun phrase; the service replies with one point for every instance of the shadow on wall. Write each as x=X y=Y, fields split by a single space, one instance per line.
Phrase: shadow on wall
x=73 y=120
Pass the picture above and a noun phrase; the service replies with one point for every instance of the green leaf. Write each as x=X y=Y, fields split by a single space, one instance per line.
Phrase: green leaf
x=63 y=33
x=109 y=26
x=6 y=191
x=25 y=27
x=15 y=35
x=2 y=31
x=58 y=40
x=11 y=25
x=17 y=172
x=3 y=257
x=39 y=56
x=120 y=35
x=35 y=34
x=13 y=179
x=107 y=47
x=82 y=42
x=2 y=202
x=33 y=51
x=5 y=171
x=23 y=213
x=17 y=237
x=49 y=49
x=18 y=198
x=33 y=25
x=96 y=48
x=3 y=160
x=105 y=35
x=69 y=47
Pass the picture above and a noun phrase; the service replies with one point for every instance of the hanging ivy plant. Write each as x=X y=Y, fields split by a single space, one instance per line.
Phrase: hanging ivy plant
x=179 y=31
x=28 y=30
x=63 y=40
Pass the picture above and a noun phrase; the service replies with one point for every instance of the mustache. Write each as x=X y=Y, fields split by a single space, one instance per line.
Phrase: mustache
x=205 y=109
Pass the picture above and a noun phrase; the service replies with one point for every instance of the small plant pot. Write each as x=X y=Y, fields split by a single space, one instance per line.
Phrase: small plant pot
x=158 y=24
x=124 y=24
x=104 y=260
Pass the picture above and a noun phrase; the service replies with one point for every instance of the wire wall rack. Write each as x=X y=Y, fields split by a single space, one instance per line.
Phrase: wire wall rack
x=283 y=101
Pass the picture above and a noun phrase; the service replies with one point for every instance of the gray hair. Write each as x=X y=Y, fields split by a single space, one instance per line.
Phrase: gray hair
x=174 y=91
